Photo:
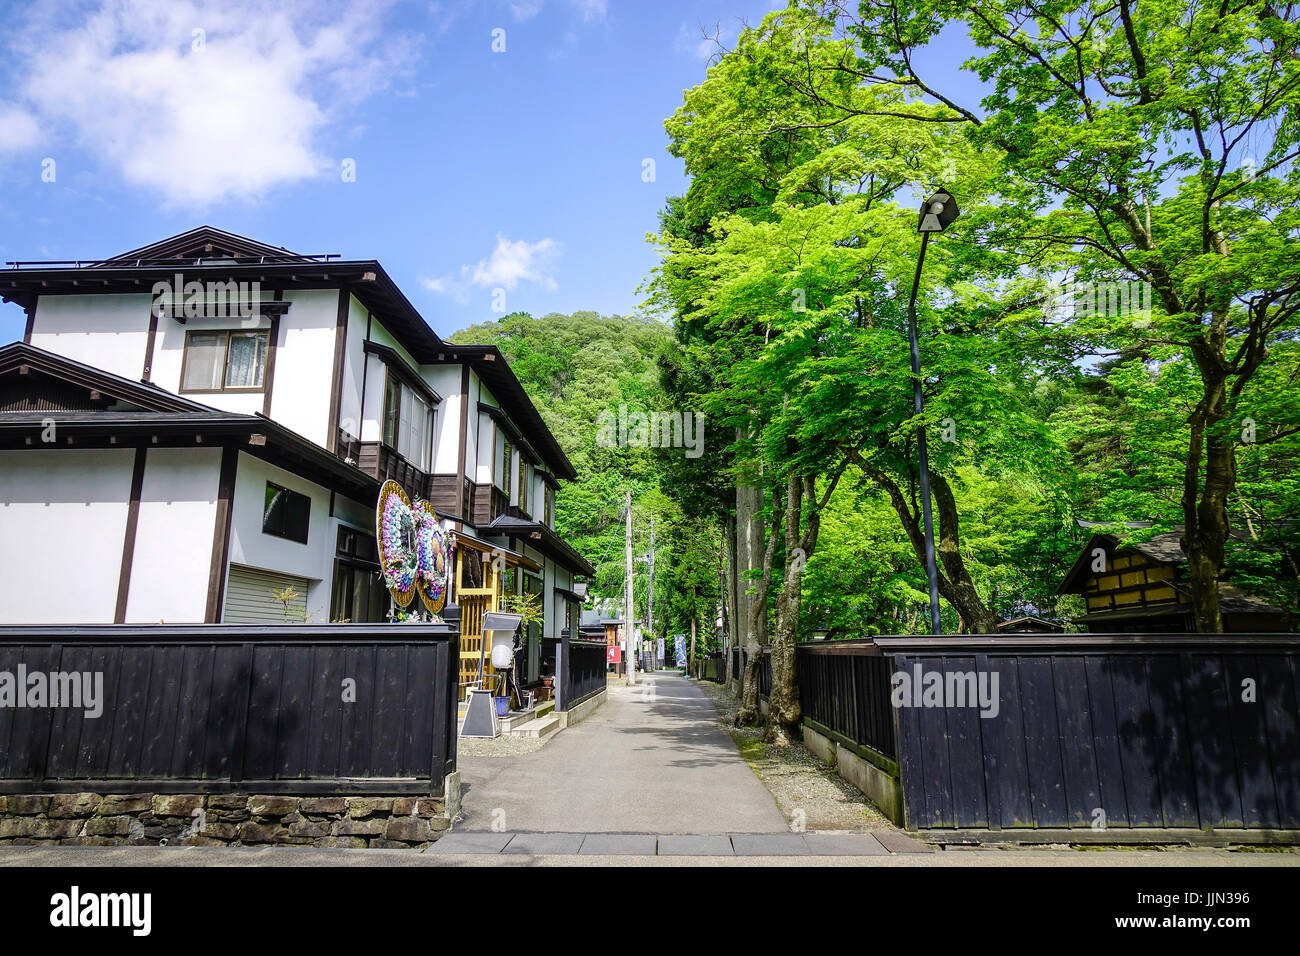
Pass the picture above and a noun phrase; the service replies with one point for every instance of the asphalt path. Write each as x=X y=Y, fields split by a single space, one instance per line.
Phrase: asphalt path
x=652 y=759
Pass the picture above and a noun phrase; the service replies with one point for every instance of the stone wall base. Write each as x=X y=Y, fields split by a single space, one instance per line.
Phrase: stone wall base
x=220 y=819
x=570 y=717
x=883 y=789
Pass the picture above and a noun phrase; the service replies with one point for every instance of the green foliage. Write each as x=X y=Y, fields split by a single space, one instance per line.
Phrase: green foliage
x=1152 y=143
x=576 y=368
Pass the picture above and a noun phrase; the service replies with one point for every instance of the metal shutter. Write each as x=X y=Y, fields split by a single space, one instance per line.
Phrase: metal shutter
x=249 y=597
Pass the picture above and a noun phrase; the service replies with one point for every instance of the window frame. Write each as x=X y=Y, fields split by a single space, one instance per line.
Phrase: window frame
x=395 y=383
x=348 y=565
x=225 y=361
x=507 y=465
x=285 y=533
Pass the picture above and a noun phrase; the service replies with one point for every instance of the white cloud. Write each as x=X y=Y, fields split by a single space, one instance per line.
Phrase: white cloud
x=525 y=10
x=18 y=128
x=591 y=9
x=203 y=101
x=511 y=262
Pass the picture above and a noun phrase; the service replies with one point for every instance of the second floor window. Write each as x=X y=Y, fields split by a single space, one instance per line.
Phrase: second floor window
x=548 y=507
x=408 y=423
x=503 y=472
x=524 y=479
x=224 y=361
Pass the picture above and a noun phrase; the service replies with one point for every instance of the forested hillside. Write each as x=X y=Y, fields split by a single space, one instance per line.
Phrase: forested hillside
x=576 y=367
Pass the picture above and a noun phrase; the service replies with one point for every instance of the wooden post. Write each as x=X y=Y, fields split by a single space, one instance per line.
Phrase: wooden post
x=629 y=614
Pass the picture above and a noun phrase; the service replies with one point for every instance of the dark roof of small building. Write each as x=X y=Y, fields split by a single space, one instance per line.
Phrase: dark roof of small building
x=1163 y=548
x=542 y=537
x=1030 y=624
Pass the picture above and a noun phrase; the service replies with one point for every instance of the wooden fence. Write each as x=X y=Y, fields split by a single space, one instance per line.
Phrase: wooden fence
x=847 y=691
x=1083 y=731
x=291 y=709
x=580 y=671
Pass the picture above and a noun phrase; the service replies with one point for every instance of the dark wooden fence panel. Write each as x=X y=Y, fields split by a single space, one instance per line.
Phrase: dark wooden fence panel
x=844 y=686
x=580 y=668
x=229 y=707
x=1113 y=730
x=1125 y=730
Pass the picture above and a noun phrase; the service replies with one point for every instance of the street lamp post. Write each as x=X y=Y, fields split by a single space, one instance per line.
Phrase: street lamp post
x=937 y=213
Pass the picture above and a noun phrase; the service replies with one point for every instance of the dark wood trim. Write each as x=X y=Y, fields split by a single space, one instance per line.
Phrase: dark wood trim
x=31 y=323
x=403 y=372
x=272 y=342
x=221 y=534
x=461 y=503
x=128 y=538
x=146 y=374
x=340 y=352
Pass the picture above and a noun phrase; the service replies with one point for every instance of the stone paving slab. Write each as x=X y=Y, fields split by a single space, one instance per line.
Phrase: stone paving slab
x=677 y=844
x=471 y=841
x=769 y=844
x=619 y=844
x=844 y=844
x=709 y=844
x=542 y=844
x=901 y=843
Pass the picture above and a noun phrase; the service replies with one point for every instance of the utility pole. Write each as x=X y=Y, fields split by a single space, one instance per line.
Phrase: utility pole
x=650 y=596
x=629 y=610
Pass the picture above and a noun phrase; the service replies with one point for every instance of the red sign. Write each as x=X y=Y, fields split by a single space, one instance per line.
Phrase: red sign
x=613 y=655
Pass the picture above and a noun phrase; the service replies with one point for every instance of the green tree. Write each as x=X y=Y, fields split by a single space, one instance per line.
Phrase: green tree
x=1153 y=142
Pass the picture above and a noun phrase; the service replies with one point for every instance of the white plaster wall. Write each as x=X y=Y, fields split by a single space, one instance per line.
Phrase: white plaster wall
x=372 y=427
x=487 y=438
x=106 y=331
x=173 y=538
x=354 y=363
x=554 y=620
x=472 y=443
x=304 y=364
x=250 y=546
x=445 y=380
x=62 y=522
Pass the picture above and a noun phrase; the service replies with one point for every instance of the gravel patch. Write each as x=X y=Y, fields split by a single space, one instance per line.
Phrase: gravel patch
x=503 y=746
x=798 y=779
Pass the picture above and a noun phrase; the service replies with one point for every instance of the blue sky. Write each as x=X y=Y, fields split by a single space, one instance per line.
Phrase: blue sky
x=476 y=170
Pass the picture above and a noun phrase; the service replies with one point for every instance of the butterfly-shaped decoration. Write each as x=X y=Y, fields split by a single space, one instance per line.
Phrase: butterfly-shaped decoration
x=414 y=552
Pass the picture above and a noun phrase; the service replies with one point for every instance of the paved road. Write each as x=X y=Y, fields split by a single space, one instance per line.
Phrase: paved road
x=120 y=856
x=641 y=763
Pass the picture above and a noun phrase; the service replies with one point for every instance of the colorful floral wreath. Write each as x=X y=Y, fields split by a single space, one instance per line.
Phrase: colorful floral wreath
x=396 y=532
x=414 y=553
x=433 y=558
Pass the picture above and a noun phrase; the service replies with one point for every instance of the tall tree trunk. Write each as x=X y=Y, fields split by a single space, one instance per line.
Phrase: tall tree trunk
x=785 y=711
x=783 y=701
x=725 y=612
x=732 y=588
x=691 y=656
x=1205 y=505
x=975 y=615
x=955 y=584
x=756 y=624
